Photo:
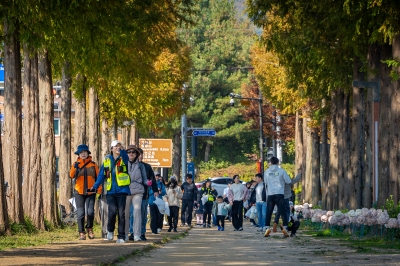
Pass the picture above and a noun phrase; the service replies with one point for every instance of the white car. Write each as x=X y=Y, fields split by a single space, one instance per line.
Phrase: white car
x=218 y=183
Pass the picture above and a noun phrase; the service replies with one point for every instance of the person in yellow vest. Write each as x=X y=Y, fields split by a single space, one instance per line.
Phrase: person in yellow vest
x=115 y=171
x=84 y=172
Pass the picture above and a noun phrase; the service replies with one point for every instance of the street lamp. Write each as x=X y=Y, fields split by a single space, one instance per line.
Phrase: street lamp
x=232 y=103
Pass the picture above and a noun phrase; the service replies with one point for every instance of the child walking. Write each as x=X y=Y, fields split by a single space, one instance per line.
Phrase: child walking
x=221 y=211
x=199 y=213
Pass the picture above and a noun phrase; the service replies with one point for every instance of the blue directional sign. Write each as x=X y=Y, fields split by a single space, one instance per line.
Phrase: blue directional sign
x=204 y=133
x=1 y=73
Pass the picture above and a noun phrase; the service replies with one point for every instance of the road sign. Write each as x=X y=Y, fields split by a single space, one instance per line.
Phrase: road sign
x=204 y=133
x=157 y=152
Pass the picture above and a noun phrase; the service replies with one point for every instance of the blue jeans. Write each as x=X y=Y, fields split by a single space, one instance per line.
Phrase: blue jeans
x=144 y=215
x=261 y=212
x=131 y=219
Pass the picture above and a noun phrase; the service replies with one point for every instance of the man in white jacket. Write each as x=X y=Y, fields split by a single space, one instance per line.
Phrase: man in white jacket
x=275 y=179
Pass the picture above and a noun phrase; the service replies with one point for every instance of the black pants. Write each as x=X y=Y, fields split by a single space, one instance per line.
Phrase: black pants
x=154 y=216
x=294 y=227
x=85 y=202
x=116 y=204
x=173 y=216
x=187 y=217
x=277 y=200
x=221 y=218
x=237 y=214
x=207 y=208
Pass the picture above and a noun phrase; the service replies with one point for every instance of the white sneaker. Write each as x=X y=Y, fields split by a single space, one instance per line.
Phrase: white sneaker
x=110 y=236
x=137 y=238
x=120 y=241
x=159 y=230
x=260 y=229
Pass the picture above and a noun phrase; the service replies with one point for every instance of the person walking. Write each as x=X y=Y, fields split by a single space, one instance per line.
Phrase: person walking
x=287 y=196
x=138 y=177
x=174 y=194
x=259 y=198
x=150 y=183
x=155 y=215
x=275 y=179
x=207 y=195
x=220 y=211
x=189 y=198
x=114 y=169
x=237 y=194
x=84 y=172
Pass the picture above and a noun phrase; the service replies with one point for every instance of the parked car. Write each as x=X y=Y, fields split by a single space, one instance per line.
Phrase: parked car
x=219 y=183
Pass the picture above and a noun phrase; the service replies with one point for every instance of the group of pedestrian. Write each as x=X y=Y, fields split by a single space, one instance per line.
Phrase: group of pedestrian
x=127 y=186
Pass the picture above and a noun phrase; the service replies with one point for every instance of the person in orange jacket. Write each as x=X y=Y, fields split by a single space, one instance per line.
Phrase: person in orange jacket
x=84 y=173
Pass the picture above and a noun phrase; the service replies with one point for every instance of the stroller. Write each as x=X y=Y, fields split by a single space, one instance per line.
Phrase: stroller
x=68 y=218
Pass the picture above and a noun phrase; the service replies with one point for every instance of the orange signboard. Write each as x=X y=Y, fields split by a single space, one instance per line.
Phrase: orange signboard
x=157 y=152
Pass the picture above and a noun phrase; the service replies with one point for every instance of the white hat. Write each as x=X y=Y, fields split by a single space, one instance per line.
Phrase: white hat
x=115 y=143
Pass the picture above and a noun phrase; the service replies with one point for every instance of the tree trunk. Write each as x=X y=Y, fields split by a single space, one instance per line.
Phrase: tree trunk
x=357 y=140
x=316 y=166
x=332 y=188
x=395 y=123
x=299 y=150
x=80 y=114
x=47 y=149
x=324 y=159
x=12 y=138
x=33 y=201
x=4 y=223
x=373 y=66
x=124 y=133
x=347 y=185
x=304 y=158
x=115 y=130
x=105 y=140
x=387 y=184
x=307 y=178
x=94 y=143
x=64 y=161
x=133 y=134
x=177 y=155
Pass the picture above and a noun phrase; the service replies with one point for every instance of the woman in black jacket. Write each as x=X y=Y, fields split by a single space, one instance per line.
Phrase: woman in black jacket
x=189 y=198
x=209 y=194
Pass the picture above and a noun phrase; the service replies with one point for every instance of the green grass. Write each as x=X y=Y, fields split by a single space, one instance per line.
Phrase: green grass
x=26 y=236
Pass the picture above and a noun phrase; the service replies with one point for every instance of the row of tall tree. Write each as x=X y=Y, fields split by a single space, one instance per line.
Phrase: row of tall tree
x=119 y=56
x=322 y=46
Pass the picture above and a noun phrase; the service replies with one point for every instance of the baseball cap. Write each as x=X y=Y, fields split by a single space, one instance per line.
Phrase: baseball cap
x=157 y=173
x=115 y=143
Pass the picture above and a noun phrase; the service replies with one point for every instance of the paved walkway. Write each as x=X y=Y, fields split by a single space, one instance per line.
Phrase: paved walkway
x=203 y=246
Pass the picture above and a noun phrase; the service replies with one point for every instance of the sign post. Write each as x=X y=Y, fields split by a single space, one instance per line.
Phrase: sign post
x=157 y=152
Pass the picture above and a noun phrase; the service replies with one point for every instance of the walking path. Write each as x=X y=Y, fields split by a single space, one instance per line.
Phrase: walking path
x=205 y=246
x=202 y=246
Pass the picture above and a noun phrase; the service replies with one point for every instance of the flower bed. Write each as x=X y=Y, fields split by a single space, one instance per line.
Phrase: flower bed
x=359 y=223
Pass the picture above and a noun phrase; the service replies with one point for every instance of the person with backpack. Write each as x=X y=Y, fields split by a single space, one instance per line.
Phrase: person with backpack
x=115 y=170
x=84 y=172
x=138 y=176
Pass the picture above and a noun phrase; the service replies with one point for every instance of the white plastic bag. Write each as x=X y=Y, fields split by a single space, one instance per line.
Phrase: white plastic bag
x=160 y=205
x=246 y=204
x=253 y=213
x=166 y=208
x=204 y=199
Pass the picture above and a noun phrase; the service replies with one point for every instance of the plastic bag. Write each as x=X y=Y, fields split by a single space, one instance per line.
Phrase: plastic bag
x=204 y=199
x=166 y=208
x=253 y=213
x=246 y=204
x=160 y=205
